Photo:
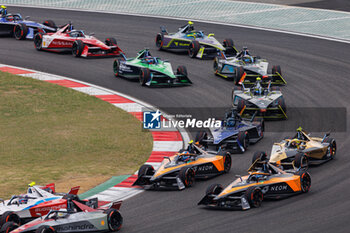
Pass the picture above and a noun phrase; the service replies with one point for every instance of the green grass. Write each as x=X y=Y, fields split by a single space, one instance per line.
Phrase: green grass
x=50 y=133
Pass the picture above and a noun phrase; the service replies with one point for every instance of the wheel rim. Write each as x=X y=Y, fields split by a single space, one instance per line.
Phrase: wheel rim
x=38 y=41
x=116 y=68
x=159 y=42
x=227 y=165
x=142 y=77
x=114 y=220
x=74 y=49
x=256 y=198
x=305 y=183
x=18 y=32
x=189 y=177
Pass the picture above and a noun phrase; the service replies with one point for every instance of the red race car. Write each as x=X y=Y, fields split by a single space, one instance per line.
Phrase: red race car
x=81 y=45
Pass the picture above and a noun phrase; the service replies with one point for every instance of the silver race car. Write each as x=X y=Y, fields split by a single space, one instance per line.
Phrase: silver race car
x=195 y=42
x=258 y=101
x=245 y=68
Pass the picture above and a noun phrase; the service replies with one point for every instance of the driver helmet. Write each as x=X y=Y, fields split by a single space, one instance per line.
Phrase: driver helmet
x=258 y=88
x=3 y=10
x=294 y=143
x=184 y=156
x=247 y=59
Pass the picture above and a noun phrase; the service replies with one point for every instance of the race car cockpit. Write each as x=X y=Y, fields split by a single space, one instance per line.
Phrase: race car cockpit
x=76 y=33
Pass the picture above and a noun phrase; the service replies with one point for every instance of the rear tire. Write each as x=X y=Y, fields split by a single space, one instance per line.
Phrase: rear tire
x=239 y=72
x=227 y=162
x=193 y=49
x=145 y=76
x=45 y=229
x=254 y=196
x=159 y=41
x=260 y=155
x=305 y=181
x=276 y=69
x=282 y=104
x=10 y=216
x=332 y=149
x=181 y=70
x=187 y=175
x=242 y=138
x=50 y=23
x=38 y=41
x=77 y=48
x=241 y=105
x=115 y=220
x=111 y=42
x=20 y=31
x=301 y=161
x=8 y=227
x=214 y=189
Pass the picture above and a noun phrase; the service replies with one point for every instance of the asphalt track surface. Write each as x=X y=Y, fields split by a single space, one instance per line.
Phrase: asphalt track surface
x=317 y=75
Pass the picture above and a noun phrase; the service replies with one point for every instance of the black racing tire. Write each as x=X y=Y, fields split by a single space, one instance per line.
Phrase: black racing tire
x=282 y=103
x=111 y=41
x=301 y=161
x=187 y=176
x=332 y=149
x=193 y=49
x=45 y=229
x=181 y=70
x=20 y=31
x=228 y=43
x=9 y=216
x=38 y=40
x=145 y=169
x=114 y=219
x=77 y=48
x=260 y=156
x=8 y=227
x=50 y=23
x=145 y=76
x=159 y=41
x=261 y=122
x=276 y=69
x=305 y=181
x=216 y=65
x=241 y=105
x=227 y=162
x=116 y=65
x=254 y=196
x=243 y=139
x=239 y=72
x=214 y=189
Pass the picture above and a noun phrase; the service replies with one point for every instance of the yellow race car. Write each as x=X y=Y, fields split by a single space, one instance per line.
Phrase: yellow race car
x=300 y=151
x=265 y=181
x=181 y=170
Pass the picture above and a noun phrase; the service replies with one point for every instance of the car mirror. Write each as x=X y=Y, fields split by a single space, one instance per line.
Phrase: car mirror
x=166 y=157
x=27 y=17
x=92 y=34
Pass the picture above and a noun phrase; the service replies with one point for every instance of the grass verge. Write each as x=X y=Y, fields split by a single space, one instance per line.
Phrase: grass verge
x=50 y=133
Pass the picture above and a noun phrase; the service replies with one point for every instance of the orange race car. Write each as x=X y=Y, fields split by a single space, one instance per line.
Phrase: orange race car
x=181 y=170
x=264 y=181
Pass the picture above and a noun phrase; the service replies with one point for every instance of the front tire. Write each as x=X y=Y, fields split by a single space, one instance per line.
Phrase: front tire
x=9 y=226
x=50 y=23
x=116 y=65
x=243 y=140
x=260 y=156
x=77 y=48
x=332 y=149
x=145 y=76
x=214 y=189
x=193 y=49
x=159 y=41
x=181 y=70
x=111 y=42
x=254 y=196
x=239 y=72
x=145 y=169
x=187 y=175
x=115 y=220
x=305 y=181
x=301 y=161
x=38 y=41
x=10 y=216
x=227 y=162
x=20 y=31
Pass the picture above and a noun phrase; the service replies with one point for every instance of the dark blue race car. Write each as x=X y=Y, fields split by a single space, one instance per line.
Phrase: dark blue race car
x=21 y=29
x=234 y=135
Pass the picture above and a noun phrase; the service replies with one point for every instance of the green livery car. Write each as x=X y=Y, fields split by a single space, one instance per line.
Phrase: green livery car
x=150 y=71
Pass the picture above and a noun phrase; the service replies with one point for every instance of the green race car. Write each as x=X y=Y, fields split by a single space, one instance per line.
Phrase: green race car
x=151 y=71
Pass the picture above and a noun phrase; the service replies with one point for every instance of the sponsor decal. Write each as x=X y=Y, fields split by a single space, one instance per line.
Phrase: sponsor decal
x=151 y=120
x=207 y=167
x=75 y=227
x=278 y=188
x=61 y=43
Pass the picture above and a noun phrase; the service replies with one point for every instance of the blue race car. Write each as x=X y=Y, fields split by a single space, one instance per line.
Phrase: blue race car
x=234 y=135
x=21 y=29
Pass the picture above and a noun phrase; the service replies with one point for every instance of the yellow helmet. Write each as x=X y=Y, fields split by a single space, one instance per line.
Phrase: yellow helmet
x=258 y=79
x=190 y=22
x=31 y=184
x=3 y=7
